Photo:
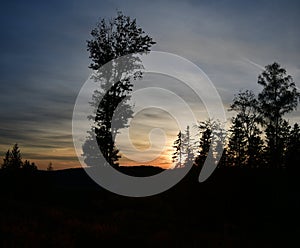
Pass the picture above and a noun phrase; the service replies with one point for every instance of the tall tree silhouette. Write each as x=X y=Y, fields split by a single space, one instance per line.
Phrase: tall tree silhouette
x=293 y=148
x=177 y=155
x=218 y=144
x=212 y=136
x=283 y=133
x=245 y=143
x=283 y=141
x=237 y=143
x=184 y=149
x=278 y=97
x=205 y=133
x=113 y=39
x=187 y=145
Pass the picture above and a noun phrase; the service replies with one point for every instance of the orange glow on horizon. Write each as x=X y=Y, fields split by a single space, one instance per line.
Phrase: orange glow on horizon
x=158 y=162
x=164 y=161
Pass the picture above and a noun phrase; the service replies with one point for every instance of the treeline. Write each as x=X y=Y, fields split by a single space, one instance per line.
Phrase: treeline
x=13 y=161
x=259 y=136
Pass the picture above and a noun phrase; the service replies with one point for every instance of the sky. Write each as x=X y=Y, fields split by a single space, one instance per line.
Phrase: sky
x=44 y=62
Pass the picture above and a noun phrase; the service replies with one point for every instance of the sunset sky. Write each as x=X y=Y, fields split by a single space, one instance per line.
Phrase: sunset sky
x=44 y=62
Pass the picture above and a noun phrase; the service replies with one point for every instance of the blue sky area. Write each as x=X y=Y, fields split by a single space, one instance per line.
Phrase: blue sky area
x=44 y=61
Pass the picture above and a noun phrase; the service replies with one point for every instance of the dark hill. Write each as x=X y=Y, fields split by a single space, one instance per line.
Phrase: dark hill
x=233 y=208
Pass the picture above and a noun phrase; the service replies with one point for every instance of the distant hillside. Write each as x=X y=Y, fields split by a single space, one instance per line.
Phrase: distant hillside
x=140 y=171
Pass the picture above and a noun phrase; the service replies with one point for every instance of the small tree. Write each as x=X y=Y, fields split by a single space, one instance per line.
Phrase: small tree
x=16 y=158
x=177 y=155
x=27 y=166
x=50 y=167
x=13 y=159
x=187 y=145
x=6 y=161
x=293 y=148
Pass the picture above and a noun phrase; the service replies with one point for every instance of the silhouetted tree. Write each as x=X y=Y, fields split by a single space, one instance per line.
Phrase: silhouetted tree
x=16 y=158
x=187 y=145
x=237 y=143
x=50 y=167
x=115 y=38
x=293 y=148
x=27 y=166
x=224 y=158
x=245 y=144
x=177 y=155
x=183 y=145
x=283 y=140
x=255 y=150
x=205 y=133
x=212 y=136
x=112 y=39
x=218 y=142
x=13 y=159
x=6 y=161
x=278 y=97
x=283 y=133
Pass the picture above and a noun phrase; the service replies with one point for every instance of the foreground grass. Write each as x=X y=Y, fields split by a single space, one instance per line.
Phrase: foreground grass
x=234 y=208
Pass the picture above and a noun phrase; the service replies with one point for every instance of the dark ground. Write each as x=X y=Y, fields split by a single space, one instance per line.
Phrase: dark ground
x=233 y=208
